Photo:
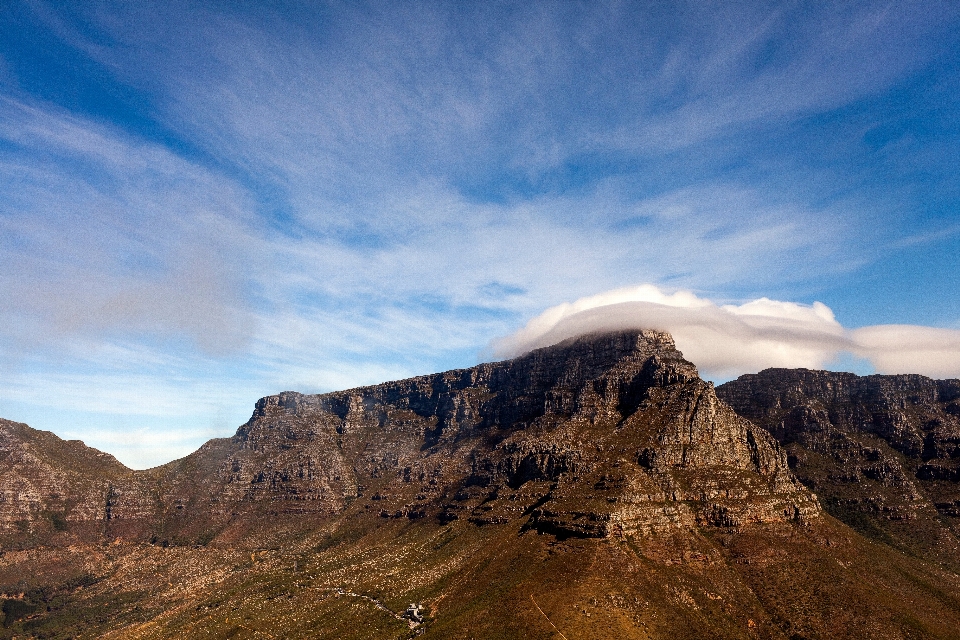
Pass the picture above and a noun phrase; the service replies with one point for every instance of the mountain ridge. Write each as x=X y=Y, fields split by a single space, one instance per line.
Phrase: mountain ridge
x=315 y=453
x=883 y=451
x=598 y=483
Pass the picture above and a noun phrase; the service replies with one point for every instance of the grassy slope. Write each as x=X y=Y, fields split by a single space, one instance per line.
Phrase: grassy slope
x=493 y=582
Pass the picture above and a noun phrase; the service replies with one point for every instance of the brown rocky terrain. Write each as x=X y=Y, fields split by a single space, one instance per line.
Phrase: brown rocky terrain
x=882 y=451
x=624 y=415
x=49 y=487
x=597 y=488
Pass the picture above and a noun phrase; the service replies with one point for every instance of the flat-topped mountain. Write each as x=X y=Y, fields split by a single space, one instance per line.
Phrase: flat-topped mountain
x=597 y=488
x=596 y=435
x=593 y=436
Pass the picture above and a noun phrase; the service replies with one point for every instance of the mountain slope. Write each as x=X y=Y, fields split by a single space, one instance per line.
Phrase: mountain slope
x=882 y=452
x=592 y=436
x=49 y=486
x=595 y=489
x=596 y=435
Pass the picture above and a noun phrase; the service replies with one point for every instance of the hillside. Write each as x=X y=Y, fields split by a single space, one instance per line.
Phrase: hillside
x=882 y=452
x=594 y=489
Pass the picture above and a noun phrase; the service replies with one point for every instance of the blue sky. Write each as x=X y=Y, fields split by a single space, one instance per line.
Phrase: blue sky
x=205 y=203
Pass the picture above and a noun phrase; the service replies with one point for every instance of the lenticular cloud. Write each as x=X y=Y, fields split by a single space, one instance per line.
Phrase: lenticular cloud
x=728 y=340
x=904 y=348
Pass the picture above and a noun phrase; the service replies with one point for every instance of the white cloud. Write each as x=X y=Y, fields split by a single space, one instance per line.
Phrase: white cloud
x=729 y=340
x=901 y=348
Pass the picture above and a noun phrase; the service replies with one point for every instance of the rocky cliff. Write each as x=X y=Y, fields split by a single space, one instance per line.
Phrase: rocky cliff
x=881 y=451
x=49 y=486
x=599 y=435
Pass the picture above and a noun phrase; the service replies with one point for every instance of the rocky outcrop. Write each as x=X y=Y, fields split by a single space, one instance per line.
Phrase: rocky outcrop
x=882 y=451
x=51 y=487
x=611 y=434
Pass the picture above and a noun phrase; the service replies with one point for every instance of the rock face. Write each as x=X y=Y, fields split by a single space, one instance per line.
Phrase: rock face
x=49 y=486
x=602 y=435
x=881 y=451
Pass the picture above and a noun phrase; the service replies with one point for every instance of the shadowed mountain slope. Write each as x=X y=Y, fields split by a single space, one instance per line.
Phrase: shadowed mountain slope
x=881 y=451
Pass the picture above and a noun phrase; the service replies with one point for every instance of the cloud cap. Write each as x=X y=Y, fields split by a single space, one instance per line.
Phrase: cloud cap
x=728 y=340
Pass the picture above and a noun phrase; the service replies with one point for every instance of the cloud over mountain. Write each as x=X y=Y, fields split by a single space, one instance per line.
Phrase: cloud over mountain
x=728 y=340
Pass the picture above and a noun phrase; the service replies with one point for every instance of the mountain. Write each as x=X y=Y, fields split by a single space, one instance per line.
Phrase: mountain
x=594 y=489
x=882 y=452
x=624 y=415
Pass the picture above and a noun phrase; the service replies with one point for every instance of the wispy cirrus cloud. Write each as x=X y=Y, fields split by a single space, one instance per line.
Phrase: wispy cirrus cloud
x=129 y=256
x=106 y=233
x=400 y=91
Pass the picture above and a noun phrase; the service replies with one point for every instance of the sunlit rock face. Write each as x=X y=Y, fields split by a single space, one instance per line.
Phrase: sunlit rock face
x=50 y=487
x=882 y=451
x=610 y=434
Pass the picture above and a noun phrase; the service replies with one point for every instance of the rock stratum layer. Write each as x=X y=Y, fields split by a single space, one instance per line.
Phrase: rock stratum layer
x=597 y=488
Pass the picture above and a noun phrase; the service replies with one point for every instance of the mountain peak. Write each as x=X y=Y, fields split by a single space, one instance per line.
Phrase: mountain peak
x=530 y=438
x=614 y=343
